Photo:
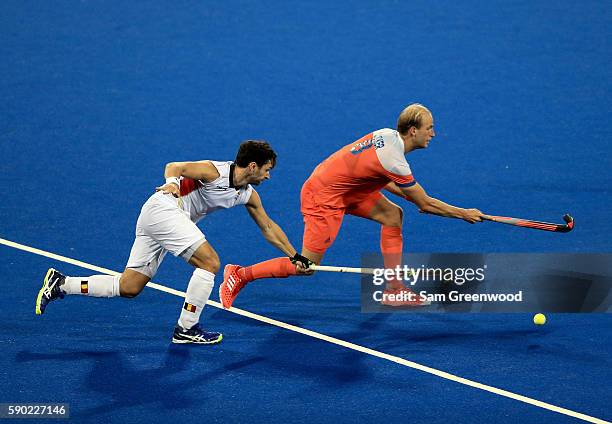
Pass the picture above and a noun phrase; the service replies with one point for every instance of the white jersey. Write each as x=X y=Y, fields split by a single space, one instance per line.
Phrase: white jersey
x=200 y=198
x=167 y=224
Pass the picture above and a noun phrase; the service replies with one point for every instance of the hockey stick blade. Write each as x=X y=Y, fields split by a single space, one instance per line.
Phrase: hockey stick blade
x=537 y=225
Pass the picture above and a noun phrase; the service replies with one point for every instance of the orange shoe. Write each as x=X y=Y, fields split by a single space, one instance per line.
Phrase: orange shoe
x=402 y=297
x=231 y=285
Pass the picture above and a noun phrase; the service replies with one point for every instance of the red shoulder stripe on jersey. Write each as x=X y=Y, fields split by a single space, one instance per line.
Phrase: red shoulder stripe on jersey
x=188 y=185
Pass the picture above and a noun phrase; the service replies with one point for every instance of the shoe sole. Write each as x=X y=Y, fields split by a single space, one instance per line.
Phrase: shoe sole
x=221 y=297
x=225 y=274
x=42 y=290
x=182 y=341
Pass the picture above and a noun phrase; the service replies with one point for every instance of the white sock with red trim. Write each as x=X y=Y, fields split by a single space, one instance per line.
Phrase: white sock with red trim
x=198 y=291
x=96 y=285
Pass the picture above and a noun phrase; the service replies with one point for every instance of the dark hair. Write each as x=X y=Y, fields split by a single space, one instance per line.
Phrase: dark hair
x=256 y=151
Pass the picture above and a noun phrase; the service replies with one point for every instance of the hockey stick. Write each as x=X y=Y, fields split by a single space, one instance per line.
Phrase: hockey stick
x=538 y=225
x=367 y=271
x=342 y=269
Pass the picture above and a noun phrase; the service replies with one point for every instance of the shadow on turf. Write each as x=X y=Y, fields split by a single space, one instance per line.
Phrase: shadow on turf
x=111 y=383
x=115 y=384
x=321 y=364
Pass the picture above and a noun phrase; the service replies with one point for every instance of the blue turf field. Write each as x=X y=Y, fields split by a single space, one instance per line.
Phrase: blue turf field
x=98 y=95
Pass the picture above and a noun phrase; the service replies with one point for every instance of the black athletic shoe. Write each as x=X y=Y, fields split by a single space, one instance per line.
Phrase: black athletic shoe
x=50 y=290
x=195 y=335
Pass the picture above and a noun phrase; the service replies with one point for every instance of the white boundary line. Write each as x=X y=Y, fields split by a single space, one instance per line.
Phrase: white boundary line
x=329 y=339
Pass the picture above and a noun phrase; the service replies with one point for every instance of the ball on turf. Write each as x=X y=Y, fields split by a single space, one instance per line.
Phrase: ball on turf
x=539 y=319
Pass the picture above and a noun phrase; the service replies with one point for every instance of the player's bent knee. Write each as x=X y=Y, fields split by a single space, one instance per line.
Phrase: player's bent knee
x=206 y=258
x=213 y=265
x=129 y=290
x=132 y=283
x=210 y=263
x=394 y=217
x=400 y=216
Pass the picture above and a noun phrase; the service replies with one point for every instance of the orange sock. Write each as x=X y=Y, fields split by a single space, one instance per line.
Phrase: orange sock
x=391 y=243
x=274 y=268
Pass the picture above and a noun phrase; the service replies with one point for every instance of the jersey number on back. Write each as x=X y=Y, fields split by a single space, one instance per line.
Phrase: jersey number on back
x=360 y=146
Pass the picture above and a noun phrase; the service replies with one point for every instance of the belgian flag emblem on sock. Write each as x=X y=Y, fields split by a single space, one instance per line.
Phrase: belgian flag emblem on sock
x=84 y=287
x=189 y=307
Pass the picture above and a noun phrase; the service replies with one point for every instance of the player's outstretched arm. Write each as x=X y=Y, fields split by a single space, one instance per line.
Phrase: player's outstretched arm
x=427 y=204
x=270 y=230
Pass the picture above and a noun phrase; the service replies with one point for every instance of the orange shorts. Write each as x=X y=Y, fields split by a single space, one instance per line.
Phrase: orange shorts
x=322 y=223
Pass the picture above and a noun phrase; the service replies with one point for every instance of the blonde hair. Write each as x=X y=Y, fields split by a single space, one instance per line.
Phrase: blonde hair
x=412 y=116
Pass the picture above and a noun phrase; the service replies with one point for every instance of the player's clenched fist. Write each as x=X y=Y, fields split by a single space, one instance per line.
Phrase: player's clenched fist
x=472 y=215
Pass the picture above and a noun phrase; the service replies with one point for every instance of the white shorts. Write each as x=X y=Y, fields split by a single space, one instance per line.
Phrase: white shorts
x=162 y=227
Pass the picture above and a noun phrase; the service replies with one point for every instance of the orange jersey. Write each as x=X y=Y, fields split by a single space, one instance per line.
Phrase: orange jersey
x=362 y=167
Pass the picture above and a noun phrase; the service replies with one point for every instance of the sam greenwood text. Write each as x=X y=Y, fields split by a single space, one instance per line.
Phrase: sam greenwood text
x=452 y=296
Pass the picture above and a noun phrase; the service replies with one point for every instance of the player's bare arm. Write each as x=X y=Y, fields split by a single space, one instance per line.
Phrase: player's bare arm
x=274 y=234
x=394 y=189
x=270 y=230
x=427 y=204
x=201 y=170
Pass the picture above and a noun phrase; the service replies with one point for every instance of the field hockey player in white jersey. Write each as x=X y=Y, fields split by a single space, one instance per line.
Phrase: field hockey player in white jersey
x=167 y=223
